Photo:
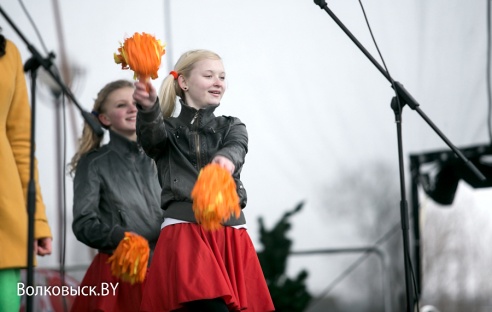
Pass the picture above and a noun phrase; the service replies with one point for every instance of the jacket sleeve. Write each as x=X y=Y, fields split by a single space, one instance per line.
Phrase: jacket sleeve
x=151 y=130
x=235 y=144
x=19 y=133
x=87 y=224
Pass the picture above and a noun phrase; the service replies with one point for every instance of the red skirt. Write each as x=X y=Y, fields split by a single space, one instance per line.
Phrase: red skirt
x=115 y=295
x=191 y=263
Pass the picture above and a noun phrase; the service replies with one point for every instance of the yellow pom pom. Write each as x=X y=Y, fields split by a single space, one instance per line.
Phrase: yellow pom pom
x=129 y=260
x=215 y=198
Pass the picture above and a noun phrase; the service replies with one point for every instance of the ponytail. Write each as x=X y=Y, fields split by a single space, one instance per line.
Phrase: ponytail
x=90 y=140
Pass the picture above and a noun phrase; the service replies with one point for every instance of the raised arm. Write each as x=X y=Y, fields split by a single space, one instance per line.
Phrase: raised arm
x=151 y=131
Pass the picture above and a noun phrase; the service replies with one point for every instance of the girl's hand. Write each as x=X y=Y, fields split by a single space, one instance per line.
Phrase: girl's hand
x=145 y=94
x=224 y=162
x=42 y=246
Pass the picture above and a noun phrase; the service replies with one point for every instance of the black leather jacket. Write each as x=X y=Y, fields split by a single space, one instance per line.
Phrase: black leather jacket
x=183 y=145
x=116 y=190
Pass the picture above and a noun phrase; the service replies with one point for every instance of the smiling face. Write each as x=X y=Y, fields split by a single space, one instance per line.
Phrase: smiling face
x=119 y=113
x=205 y=85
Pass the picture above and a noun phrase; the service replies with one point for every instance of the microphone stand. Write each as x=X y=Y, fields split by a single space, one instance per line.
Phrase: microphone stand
x=397 y=103
x=32 y=65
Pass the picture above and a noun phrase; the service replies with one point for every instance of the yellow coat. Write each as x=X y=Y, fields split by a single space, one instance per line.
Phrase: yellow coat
x=15 y=124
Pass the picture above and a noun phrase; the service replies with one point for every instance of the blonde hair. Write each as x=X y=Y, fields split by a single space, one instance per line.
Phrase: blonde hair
x=170 y=88
x=90 y=140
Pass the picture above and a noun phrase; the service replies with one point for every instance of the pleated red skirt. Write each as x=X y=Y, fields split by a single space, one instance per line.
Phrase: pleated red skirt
x=119 y=296
x=191 y=263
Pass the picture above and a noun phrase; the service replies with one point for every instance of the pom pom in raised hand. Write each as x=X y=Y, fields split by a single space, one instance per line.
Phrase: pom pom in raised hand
x=141 y=53
x=215 y=198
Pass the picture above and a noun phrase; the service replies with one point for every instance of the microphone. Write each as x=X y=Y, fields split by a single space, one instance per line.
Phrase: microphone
x=322 y=4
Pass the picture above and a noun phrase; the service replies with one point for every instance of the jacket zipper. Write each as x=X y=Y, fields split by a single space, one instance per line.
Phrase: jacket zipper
x=197 y=141
x=194 y=118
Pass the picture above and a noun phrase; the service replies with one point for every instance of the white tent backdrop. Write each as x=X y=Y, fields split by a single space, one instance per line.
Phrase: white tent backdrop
x=312 y=102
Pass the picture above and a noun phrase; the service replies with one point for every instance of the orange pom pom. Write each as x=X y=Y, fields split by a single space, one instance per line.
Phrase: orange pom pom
x=141 y=53
x=214 y=197
x=129 y=260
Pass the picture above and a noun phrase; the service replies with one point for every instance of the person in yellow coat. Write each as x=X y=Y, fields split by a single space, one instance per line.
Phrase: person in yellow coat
x=15 y=125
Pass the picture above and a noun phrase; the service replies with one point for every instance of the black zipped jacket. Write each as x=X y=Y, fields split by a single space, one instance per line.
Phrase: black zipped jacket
x=181 y=146
x=116 y=190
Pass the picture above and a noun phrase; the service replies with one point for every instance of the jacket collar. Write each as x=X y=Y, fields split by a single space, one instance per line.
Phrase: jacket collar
x=189 y=115
x=121 y=144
